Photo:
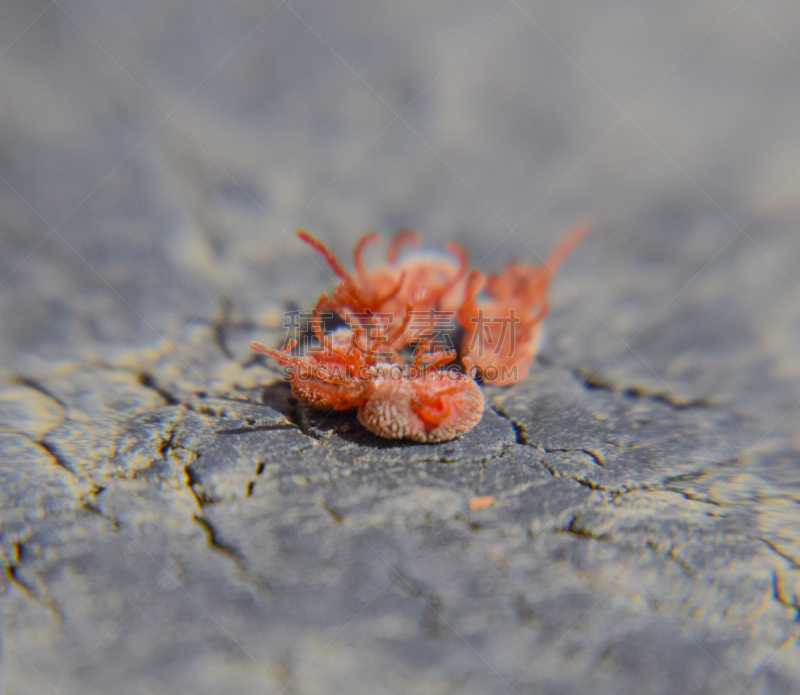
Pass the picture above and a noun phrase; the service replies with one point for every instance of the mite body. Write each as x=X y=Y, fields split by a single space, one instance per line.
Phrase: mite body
x=422 y=282
x=502 y=332
x=394 y=400
x=425 y=406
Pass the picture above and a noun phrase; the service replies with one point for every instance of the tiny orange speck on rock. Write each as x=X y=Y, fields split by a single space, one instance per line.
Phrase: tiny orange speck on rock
x=481 y=502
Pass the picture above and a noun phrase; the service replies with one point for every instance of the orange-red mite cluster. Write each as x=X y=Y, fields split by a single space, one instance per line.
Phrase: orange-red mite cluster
x=431 y=396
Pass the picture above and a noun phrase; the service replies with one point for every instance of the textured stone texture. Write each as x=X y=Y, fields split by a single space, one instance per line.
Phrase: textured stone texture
x=172 y=521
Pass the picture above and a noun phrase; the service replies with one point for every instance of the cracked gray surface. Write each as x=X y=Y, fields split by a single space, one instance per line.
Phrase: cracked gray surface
x=172 y=521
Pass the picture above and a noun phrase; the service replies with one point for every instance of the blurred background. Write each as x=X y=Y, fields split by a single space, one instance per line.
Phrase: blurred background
x=156 y=158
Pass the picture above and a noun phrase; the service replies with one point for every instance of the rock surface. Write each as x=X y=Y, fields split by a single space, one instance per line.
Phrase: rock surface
x=172 y=521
